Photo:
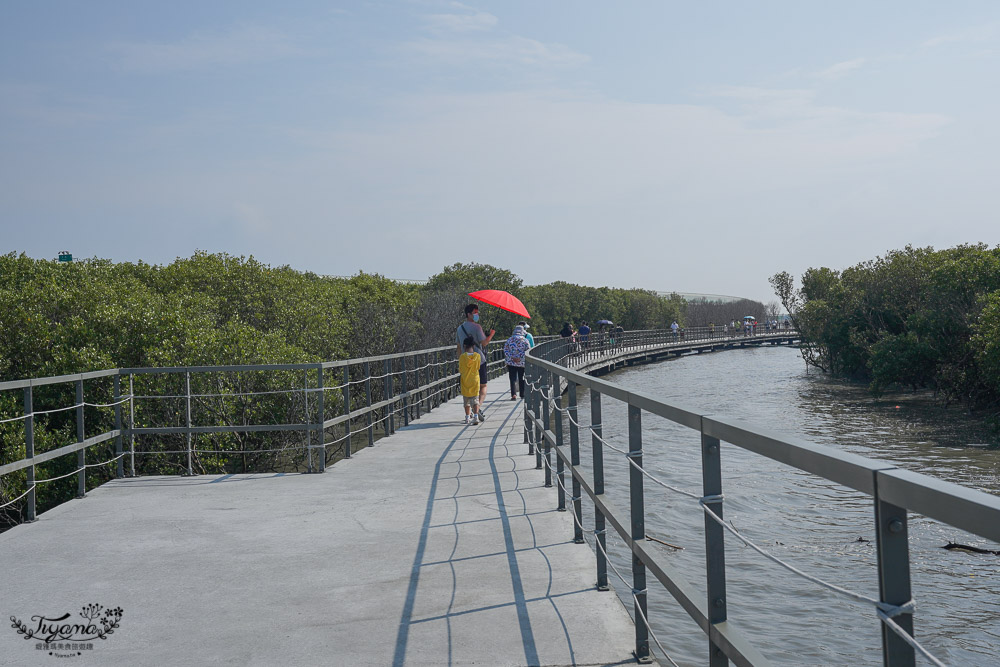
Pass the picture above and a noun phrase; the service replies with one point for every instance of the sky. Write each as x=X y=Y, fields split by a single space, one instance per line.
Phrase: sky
x=677 y=146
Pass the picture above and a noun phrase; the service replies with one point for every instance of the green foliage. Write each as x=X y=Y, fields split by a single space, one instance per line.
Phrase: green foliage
x=915 y=318
x=472 y=277
x=217 y=309
x=986 y=340
x=59 y=318
x=553 y=304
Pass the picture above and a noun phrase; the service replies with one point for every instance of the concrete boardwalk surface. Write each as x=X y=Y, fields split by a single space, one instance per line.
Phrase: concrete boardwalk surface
x=439 y=546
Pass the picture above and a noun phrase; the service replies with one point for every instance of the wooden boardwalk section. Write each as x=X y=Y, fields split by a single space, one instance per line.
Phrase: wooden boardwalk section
x=438 y=546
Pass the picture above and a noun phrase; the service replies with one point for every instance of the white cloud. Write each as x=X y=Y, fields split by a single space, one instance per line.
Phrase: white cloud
x=980 y=33
x=459 y=153
x=793 y=112
x=252 y=219
x=478 y=21
x=504 y=50
x=470 y=36
x=51 y=106
x=840 y=69
x=237 y=46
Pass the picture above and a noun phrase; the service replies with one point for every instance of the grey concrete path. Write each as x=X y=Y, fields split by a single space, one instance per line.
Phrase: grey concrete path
x=439 y=546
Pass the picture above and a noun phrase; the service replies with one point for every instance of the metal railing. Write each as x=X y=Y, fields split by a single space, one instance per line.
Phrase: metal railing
x=304 y=415
x=894 y=492
x=601 y=345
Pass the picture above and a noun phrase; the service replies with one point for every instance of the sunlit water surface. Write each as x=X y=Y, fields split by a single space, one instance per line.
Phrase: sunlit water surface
x=810 y=522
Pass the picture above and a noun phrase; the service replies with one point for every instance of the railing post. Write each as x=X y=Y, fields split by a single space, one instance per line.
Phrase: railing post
x=368 y=403
x=120 y=465
x=305 y=408
x=892 y=545
x=406 y=400
x=29 y=452
x=347 y=411
x=557 y=416
x=574 y=459
x=429 y=360
x=436 y=396
x=81 y=456
x=305 y=419
x=527 y=405
x=539 y=376
x=187 y=384
x=387 y=385
x=131 y=424
x=546 y=425
x=715 y=542
x=320 y=417
x=455 y=387
x=597 y=432
x=637 y=510
x=427 y=382
x=418 y=400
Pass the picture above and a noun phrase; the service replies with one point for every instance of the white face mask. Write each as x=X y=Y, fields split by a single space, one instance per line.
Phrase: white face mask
x=475 y=318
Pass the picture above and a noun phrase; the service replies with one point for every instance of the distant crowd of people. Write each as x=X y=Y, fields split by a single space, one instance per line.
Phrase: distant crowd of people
x=471 y=343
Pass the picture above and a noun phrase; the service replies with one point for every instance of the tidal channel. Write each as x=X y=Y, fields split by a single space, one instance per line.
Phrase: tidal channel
x=819 y=527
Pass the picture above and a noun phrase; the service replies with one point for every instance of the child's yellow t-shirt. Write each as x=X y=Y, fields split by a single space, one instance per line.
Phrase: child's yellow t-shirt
x=468 y=368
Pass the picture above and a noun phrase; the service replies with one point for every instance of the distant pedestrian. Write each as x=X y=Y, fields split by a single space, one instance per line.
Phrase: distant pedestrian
x=531 y=339
x=513 y=353
x=469 y=364
x=470 y=329
x=674 y=327
x=569 y=337
x=584 y=333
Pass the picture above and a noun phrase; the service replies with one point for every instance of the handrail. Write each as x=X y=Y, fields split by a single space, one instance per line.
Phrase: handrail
x=378 y=391
x=388 y=388
x=893 y=491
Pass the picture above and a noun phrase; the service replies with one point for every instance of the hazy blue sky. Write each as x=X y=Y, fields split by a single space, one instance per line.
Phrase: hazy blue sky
x=695 y=146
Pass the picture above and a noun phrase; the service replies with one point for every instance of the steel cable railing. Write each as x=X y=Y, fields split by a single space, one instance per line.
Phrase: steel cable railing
x=608 y=560
x=885 y=611
x=544 y=415
x=374 y=396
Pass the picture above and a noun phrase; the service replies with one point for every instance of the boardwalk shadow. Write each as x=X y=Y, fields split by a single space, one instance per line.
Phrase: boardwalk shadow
x=482 y=577
x=197 y=480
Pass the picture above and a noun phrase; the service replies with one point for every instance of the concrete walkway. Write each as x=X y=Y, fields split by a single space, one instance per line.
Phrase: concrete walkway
x=439 y=546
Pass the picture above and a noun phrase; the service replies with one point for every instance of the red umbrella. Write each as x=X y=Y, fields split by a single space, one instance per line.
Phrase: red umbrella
x=503 y=300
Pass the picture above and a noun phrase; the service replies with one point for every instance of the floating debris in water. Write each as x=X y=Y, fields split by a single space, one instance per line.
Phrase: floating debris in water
x=965 y=547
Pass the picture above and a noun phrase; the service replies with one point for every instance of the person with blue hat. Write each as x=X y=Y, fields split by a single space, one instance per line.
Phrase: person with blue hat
x=513 y=353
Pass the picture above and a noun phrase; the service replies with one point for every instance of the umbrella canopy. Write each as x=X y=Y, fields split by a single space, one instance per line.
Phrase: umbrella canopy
x=502 y=300
x=749 y=317
x=605 y=322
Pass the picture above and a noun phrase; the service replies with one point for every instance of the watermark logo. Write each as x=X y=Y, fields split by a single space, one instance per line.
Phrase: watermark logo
x=63 y=636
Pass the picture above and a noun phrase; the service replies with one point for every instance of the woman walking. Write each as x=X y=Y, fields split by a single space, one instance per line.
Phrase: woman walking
x=513 y=354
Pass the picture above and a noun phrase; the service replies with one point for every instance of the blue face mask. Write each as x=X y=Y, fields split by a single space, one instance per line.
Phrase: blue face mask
x=475 y=317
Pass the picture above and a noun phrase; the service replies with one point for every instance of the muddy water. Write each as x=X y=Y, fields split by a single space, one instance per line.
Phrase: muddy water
x=820 y=527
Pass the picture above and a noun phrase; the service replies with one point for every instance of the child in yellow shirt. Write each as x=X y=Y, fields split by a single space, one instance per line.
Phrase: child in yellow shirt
x=468 y=369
